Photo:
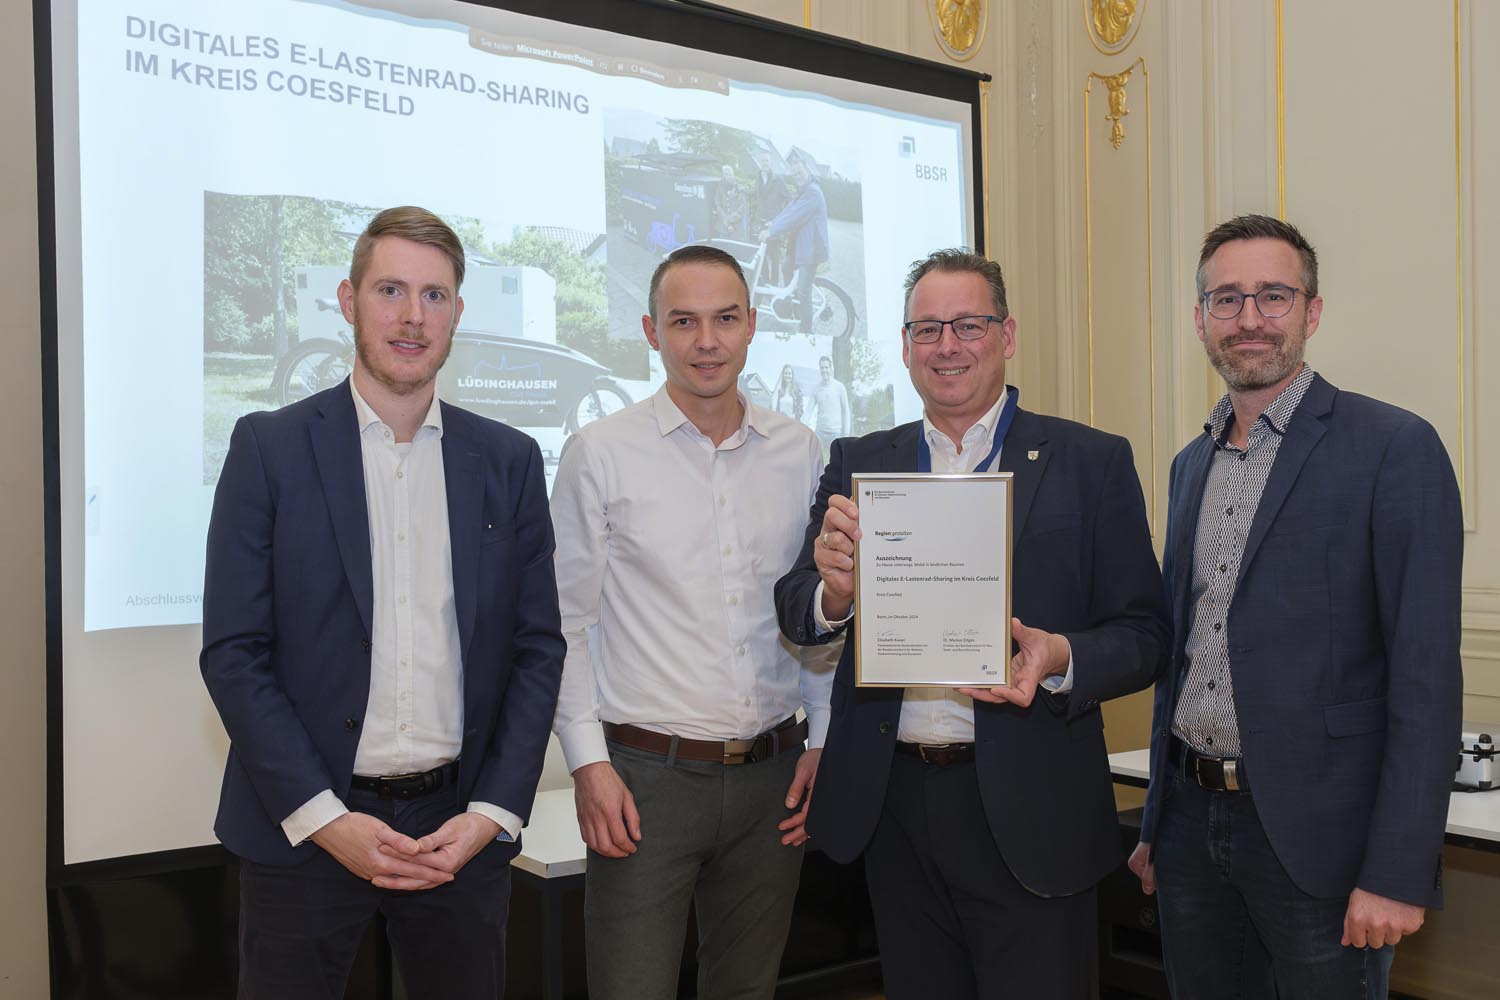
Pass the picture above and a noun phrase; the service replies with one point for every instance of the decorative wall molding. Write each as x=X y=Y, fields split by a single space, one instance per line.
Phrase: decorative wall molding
x=959 y=26
x=1112 y=24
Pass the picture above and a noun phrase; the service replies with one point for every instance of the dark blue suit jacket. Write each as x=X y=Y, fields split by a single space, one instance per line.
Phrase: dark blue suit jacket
x=287 y=603
x=1343 y=645
x=1082 y=566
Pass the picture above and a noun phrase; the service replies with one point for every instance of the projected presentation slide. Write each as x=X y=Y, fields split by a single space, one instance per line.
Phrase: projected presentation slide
x=226 y=155
x=230 y=152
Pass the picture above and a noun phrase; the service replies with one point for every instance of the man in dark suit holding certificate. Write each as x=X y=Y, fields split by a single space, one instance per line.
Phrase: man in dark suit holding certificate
x=381 y=639
x=986 y=816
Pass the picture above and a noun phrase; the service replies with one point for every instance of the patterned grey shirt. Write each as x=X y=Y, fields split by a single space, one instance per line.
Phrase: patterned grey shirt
x=1205 y=717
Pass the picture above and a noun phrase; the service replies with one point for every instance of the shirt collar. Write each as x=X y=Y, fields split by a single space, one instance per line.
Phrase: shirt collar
x=368 y=416
x=670 y=418
x=1275 y=416
x=986 y=423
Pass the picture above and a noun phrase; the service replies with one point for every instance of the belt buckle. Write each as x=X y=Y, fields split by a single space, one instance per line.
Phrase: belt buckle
x=936 y=748
x=740 y=751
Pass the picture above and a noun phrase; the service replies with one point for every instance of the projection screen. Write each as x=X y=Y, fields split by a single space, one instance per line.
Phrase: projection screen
x=210 y=167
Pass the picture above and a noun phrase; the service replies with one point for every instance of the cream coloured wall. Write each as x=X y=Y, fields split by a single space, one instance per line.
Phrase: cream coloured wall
x=23 y=923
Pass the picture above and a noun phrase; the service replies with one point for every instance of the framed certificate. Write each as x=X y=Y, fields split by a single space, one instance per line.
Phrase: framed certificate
x=932 y=580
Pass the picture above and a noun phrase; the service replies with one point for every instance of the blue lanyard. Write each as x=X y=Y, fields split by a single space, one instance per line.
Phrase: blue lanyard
x=1002 y=427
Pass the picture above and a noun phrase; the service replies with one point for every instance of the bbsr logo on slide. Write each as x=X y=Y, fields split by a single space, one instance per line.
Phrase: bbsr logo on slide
x=930 y=172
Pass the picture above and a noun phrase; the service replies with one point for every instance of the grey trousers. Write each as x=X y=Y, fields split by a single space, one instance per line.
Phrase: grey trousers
x=708 y=836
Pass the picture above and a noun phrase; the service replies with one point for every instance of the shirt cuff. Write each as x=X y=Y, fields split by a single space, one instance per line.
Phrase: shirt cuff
x=583 y=744
x=310 y=817
x=825 y=626
x=817 y=727
x=1063 y=684
x=510 y=824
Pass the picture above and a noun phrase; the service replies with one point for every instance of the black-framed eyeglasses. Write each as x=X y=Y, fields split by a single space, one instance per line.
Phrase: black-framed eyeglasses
x=1273 y=301
x=930 y=331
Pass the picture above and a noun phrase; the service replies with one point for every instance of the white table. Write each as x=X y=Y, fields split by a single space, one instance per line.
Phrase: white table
x=1473 y=817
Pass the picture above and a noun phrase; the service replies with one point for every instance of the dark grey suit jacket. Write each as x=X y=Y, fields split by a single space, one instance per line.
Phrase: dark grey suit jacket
x=1343 y=640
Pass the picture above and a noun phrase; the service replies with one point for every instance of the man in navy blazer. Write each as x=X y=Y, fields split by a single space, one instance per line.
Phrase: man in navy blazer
x=1303 y=741
x=986 y=817
x=382 y=641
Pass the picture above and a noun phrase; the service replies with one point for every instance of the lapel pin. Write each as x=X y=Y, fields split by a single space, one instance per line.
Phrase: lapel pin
x=1031 y=456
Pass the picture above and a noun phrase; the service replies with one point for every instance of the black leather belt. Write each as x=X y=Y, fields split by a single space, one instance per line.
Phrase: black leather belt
x=1217 y=774
x=939 y=753
x=407 y=786
x=767 y=745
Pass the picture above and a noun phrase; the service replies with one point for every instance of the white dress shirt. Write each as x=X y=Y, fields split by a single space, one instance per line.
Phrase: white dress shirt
x=414 y=719
x=938 y=715
x=668 y=548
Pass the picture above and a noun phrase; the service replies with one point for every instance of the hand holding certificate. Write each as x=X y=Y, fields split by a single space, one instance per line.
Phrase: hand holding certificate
x=932 y=580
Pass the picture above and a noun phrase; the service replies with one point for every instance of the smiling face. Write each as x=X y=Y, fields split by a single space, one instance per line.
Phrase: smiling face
x=1251 y=352
x=702 y=328
x=958 y=380
x=403 y=313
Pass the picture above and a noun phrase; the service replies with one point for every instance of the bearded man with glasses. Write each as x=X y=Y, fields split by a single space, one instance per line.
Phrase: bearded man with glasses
x=1302 y=746
x=985 y=816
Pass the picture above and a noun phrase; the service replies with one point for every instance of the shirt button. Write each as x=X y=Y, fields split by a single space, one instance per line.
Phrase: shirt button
x=733 y=600
x=403 y=727
x=728 y=549
x=1242 y=456
x=403 y=663
x=723 y=501
x=1210 y=685
x=747 y=702
x=1229 y=511
x=1217 y=625
x=400 y=474
x=402 y=600
x=1223 y=567
x=1207 y=739
x=400 y=536
x=740 y=651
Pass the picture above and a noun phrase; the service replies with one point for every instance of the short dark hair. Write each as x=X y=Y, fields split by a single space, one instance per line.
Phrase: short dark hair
x=407 y=222
x=1260 y=227
x=959 y=261
x=693 y=253
x=827 y=359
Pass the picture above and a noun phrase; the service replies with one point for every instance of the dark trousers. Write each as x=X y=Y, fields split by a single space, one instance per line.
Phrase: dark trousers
x=952 y=921
x=300 y=927
x=709 y=838
x=1233 y=924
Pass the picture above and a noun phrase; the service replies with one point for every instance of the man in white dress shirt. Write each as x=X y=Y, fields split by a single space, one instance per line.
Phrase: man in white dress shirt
x=677 y=717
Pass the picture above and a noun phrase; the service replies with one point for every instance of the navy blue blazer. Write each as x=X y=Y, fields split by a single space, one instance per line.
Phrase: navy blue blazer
x=1082 y=566
x=1343 y=640
x=287 y=603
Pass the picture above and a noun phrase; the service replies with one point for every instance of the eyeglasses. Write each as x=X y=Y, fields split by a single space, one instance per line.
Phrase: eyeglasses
x=1273 y=301
x=930 y=331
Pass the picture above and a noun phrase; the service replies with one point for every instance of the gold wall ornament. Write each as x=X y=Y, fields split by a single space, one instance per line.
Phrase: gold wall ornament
x=959 y=26
x=1115 y=86
x=1112 y=24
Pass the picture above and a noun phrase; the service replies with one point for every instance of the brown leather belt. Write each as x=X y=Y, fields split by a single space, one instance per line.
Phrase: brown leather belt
x=939 y=753
x=768 y=744
x=1217 y=774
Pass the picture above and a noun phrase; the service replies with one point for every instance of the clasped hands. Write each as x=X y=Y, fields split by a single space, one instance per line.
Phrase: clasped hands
x=1042 y=654
x=369 y=848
